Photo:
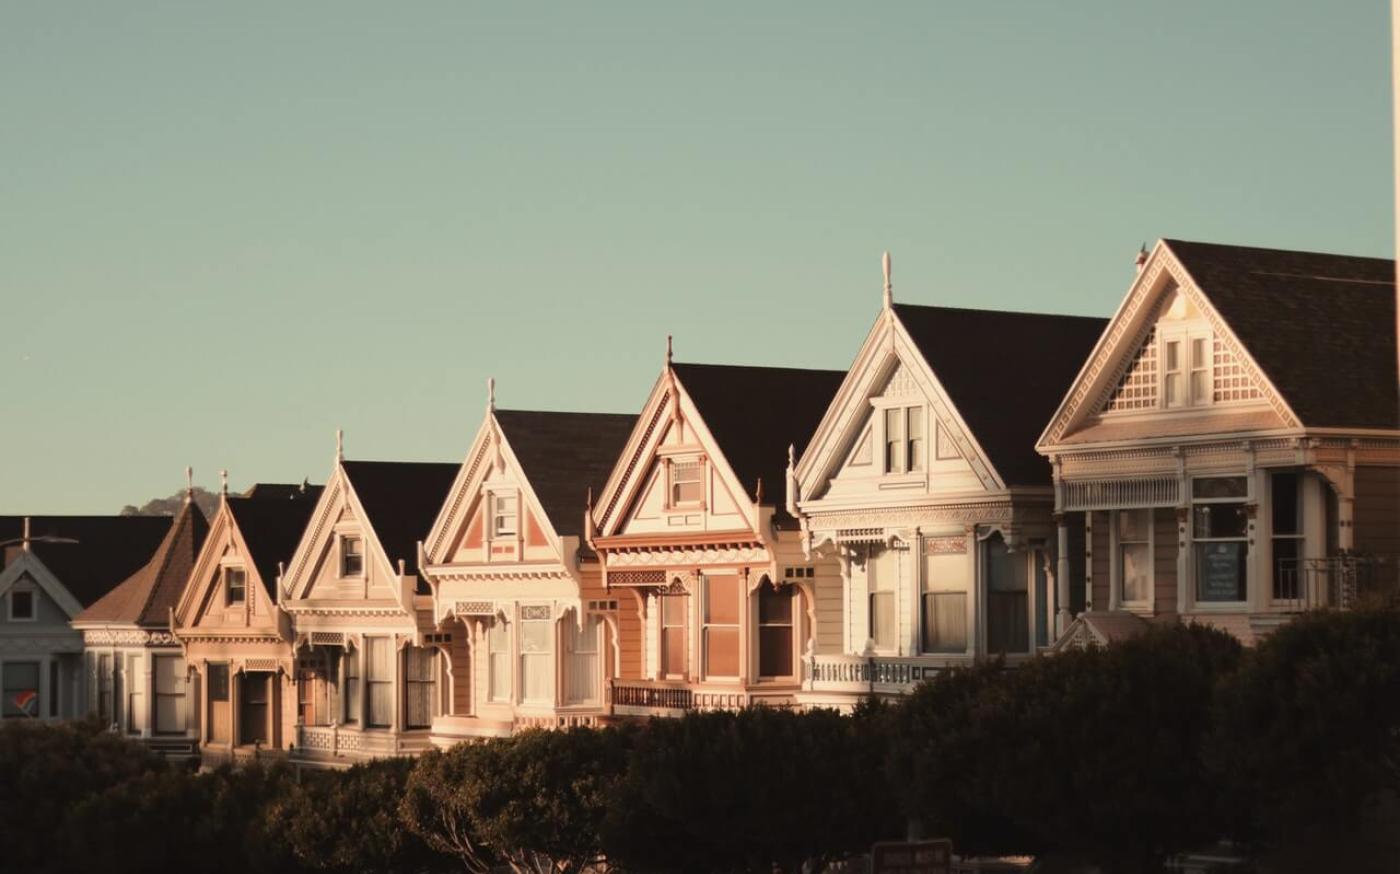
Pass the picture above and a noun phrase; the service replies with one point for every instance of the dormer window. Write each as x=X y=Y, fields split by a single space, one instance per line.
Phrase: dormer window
x=352 y=556
x=22 y=608
x=687 y=486
x=904 y=440
x=505 y=515
x=235 y=587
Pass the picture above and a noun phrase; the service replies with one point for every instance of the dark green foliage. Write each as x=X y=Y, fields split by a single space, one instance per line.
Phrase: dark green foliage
x=749 y=791
x=347 y=822
x=1307 y=741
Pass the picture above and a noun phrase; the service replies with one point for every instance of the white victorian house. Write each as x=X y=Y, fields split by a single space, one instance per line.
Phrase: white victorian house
x=923 y=481
x=1229 y=452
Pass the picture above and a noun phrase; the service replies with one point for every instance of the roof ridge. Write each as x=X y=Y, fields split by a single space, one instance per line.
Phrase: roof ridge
x=930 y=306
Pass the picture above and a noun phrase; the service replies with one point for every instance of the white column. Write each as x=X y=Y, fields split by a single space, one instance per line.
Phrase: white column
x=1062 y=616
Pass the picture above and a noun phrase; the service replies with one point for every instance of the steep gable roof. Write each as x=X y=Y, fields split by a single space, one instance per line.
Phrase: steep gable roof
x=401 y=499
x=147 y=596
x=109 y=548
x=562 y=455
x=1320 y=326
x=1005 y=372
x=755 y=413
x=271 y=519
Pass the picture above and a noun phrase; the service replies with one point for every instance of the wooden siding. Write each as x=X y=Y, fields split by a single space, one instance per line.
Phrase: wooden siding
x=1377 y=510
x=1164 y=553
x=1099 y=559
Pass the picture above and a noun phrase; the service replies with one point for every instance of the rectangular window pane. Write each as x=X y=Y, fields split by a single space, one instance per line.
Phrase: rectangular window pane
x=722 y=651
x=1200 y=390
x=1287 y=576
x=945 y=622
x=506 y=515
x=687 y=482
x=915 y=422
x=1286 y=506
x=169 y=677
x=21 y=682
x=1220 y=571
x=1137 y=569
x=419 y=686
x=1006 y=622
x=379 y=681
x=536 y=662
x=722 y=600
x=352 y=560
x=894 y=441
x=253 y=727
x=775 y=631
x=581 y=667
x=1220 y=487
x=351 y=671
x=21 y=604
x=882 y=620
x=135 y=701
x=235 y=586
x=498 y=644
x=1219 y=520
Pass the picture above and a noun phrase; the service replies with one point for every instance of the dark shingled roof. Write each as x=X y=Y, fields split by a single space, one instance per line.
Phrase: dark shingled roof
x=146 y=597
x=271 y=517
x=1005 y=372
x=1321 y=326
x=401 y=498
x=565 y=454
x=755 y=413
x=109 y=548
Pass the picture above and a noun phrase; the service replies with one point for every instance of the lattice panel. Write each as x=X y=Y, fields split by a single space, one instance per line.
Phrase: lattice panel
x=1137 y=390
x=1231 y=382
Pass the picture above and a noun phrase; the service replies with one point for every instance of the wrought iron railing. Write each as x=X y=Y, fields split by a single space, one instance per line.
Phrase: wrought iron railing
x=1342 y=582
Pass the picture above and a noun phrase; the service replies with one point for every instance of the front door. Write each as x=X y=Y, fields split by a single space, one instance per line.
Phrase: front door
x=253 y=727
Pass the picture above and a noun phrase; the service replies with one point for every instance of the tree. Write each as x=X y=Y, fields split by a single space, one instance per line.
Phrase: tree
x=749 y=791
x=348 y=821
x=436 y=806
x=1307 y=738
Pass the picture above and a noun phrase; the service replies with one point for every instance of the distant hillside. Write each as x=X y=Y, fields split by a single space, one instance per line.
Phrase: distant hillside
x=208 y=502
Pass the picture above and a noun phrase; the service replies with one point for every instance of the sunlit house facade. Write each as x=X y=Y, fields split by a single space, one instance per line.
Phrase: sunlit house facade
x=1229 y=452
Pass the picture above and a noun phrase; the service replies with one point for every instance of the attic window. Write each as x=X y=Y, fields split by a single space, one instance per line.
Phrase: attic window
x=352 y=556
x=504 y=515
x=687 y=482
x=21 y=605
x=235 y=587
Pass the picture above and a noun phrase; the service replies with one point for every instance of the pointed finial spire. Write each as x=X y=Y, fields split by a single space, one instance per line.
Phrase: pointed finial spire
x=490 y=394
x=339 y=444
x=189 y=483
x=669 y=351
x=1141 y=258
x=889 y=288
x=223 y=483
x=758 y=491
x=792 y=456
x=24 y=537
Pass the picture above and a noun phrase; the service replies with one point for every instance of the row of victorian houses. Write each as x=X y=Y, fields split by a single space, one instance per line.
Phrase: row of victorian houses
x=1225 y=449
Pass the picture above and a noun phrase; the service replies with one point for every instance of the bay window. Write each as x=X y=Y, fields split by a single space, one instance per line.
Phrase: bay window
x=536 y=655
x=1220 y=528
x=498 y=654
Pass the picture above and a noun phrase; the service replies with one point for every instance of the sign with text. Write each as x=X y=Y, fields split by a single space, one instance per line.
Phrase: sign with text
x=912 y=857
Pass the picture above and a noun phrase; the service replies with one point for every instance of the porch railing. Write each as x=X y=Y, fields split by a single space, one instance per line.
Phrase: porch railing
x=865 y=673
x=1342 y=582
x=657 y=697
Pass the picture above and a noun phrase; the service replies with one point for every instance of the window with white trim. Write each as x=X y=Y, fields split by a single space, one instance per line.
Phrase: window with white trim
x=720 y=625
x=674 y=641
x=350 y=674
x=1135 y=556
x=498 y=655
x=420 y=686
x=536 y=655
x=687 y=482
x=1186 y=367
x=905 y=440
x=168 y=673
x=581 y=667
x=379 y=681
x=505 y=514
x=1286 y=519
x=775 y=630
x=882 y=581
x=352 y=556
x=235 y=587
x=1220 y=529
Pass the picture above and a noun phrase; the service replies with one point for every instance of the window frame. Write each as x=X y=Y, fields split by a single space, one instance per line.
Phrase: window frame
x=22 y=587
x=352 y=686
x=681 y=627
x=497 y=500
x=791 y=594
x=707 y=625
x=498 y=689
x=882 y=590
x=182 y=682
x=547 y=655
x=411 y=683
x=1297 y=537
x=1184 y=338
x=342 y=542
x=226 y=572
x=1244 y=501
x=1117 y=576
x=698 y=464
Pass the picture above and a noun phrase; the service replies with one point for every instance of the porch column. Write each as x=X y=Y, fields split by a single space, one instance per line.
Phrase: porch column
x=1062 y=617
x=844 y=554
x=1088 y=560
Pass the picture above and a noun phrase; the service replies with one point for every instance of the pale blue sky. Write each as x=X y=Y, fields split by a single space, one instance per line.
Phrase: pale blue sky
x=228 y=228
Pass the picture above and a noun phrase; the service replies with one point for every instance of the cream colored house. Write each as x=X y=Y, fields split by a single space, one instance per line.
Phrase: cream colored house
x=368 y=679
x=695 y=541
x=234 y=633
x=528 y=635
x=1230 y=451
x=922 y=484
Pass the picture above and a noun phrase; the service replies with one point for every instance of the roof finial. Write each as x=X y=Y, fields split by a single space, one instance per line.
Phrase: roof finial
x=668 y=351
x=758 y=491
x=490 y=394
x=1141 y=258
x=24 y=542
x=339 y=444
x=189 y=483
x=889 y=288
x=223 y=483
